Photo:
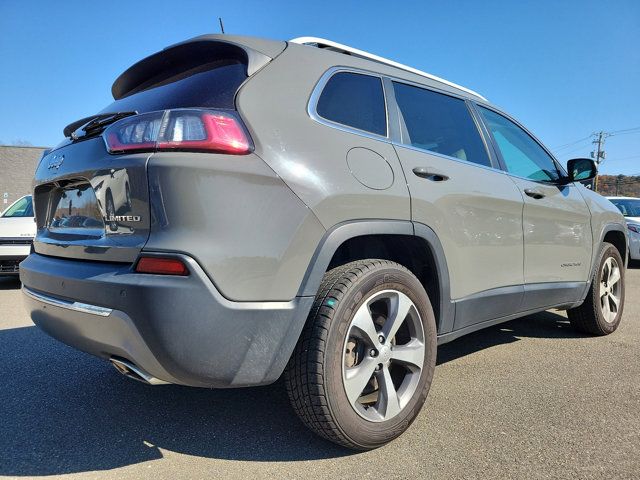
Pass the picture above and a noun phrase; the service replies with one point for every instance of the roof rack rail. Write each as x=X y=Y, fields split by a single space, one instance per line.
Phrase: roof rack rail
x=338 y=47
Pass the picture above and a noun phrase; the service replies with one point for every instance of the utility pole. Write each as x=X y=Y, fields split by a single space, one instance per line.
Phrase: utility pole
x=599 y=154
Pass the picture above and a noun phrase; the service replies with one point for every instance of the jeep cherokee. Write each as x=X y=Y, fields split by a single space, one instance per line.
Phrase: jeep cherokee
x=249 y=208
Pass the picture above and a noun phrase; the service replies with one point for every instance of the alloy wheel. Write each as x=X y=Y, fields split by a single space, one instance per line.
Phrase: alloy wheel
x=383 y=355
x=610 y=289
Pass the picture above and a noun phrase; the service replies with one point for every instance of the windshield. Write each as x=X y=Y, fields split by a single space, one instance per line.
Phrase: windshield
x=628 y=207
x=22 y=208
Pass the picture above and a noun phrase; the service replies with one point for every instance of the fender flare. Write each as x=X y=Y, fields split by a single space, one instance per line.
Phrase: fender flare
x=337 y=235
x=609 y=227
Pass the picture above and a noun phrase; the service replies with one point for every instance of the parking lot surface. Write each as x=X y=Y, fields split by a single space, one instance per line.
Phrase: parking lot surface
x=525 y=399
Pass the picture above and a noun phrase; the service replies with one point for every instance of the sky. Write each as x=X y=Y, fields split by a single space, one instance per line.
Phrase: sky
x=565 y=69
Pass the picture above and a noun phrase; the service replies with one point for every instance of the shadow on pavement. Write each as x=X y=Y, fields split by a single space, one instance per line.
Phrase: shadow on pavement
x=63 y=411
x=540 y=325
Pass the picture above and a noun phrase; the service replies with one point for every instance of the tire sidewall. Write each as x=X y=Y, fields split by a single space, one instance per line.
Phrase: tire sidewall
x=362 y=432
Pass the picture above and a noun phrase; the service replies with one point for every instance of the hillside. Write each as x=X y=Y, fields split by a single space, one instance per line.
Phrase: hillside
x=619 y=185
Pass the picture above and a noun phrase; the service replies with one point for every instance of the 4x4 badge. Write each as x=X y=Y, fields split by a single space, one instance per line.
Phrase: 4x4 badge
x=55 y=162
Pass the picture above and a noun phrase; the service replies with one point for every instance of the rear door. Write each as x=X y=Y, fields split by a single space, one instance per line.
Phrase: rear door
x=557 y=221
x=473 y=207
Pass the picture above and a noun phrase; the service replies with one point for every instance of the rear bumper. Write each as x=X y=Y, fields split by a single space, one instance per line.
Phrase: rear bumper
x=178 y=329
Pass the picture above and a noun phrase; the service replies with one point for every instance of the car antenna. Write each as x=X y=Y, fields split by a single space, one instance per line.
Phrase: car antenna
x=221 y=25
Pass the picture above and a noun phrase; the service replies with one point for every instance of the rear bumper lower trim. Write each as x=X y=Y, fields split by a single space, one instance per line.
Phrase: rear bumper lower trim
x=177 y=329
x=75 y=306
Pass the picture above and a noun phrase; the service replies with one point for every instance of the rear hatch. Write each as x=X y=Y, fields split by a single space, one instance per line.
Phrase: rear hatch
x=91 y=192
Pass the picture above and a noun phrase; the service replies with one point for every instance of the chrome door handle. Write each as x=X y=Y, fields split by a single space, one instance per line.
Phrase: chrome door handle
x=533 y=193
x=423 y=172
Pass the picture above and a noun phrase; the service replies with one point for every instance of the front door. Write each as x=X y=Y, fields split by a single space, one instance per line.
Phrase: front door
x=556 y=219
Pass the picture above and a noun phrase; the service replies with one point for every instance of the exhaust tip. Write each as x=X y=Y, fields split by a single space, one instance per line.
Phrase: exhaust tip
x=130 y=370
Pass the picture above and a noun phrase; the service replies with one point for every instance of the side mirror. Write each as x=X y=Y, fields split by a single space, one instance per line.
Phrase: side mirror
x=581 y=169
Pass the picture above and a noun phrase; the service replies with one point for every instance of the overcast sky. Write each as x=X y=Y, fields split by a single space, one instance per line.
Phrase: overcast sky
x=563 y=68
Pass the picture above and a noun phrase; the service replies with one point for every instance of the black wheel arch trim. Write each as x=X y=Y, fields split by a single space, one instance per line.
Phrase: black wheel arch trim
x=338 y=234
x=609 y=227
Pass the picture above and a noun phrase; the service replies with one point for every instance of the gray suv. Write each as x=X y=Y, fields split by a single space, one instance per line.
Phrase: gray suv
x=248 y=209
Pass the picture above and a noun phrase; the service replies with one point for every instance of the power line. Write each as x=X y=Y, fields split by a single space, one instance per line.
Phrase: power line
x=618 y=132
x=574 y=150
x=624 y=131
x=571 y=144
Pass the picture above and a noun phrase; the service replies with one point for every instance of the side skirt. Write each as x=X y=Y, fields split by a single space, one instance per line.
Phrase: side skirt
x=506 y=303
x=448 y=337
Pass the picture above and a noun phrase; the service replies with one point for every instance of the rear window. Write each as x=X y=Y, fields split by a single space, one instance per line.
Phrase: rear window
x=212 y=85
x=356 y=101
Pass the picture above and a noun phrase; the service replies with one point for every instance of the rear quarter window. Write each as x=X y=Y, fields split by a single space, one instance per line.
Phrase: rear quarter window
x=354 y=100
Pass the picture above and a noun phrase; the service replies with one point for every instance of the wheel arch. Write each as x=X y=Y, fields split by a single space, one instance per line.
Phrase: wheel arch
x=618 y=238
x=414 y=245
x=615 y=234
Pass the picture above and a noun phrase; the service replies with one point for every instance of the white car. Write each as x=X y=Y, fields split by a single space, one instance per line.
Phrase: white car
x=17 y=229
x=630 y=208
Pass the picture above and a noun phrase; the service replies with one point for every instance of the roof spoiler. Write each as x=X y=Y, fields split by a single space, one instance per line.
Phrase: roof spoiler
x=189 y=54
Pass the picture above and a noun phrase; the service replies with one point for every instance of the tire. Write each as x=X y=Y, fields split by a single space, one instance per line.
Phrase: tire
x=592 y=316
x=334 y=355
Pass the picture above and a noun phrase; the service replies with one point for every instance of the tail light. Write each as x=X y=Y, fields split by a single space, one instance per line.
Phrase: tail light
x=185 y=130
x=161 y=266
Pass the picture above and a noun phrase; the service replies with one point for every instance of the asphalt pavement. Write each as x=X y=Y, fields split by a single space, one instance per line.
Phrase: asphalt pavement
x=526 y=399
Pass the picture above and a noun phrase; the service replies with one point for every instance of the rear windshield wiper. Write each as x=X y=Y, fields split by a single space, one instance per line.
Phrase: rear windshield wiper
x=103 y=120
x=94 y=122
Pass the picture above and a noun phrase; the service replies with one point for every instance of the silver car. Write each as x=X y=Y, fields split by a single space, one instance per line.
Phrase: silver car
x=17 y=229
x=630 y=208
x=248 y=208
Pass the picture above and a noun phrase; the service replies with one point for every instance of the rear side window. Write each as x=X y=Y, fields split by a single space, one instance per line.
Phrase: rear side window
x=354 y=100
x=522 y=155
x=440 y=123
x=212 y=85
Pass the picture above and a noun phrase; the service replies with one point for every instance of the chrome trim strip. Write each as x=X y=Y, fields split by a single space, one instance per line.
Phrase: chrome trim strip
x=317 y=91
x=75 y=306
x=548 y=183
x=447 y=157
x=389 y=138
